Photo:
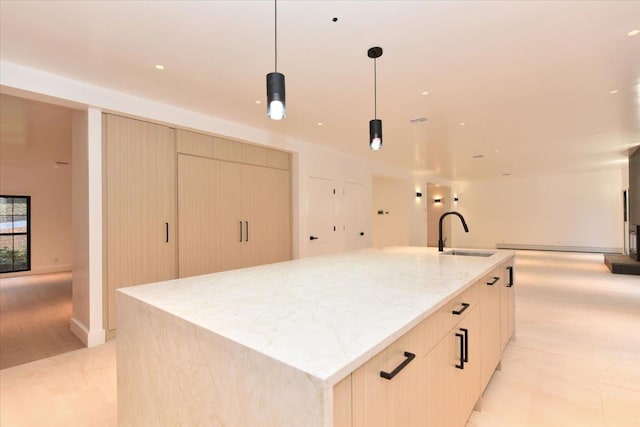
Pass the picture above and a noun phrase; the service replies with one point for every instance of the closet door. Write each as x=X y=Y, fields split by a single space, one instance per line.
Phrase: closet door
x=140 y=187
x=267 y=207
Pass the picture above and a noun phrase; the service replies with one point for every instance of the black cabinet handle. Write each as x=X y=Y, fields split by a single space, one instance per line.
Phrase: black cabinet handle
x=510 y=284
x=459 y=312
x=466 y=345
x=494 y=281
x=461 y=364
x=400 y=367
x=313 y=238
x=247 y=237
x=166 y=232
x=241 y=232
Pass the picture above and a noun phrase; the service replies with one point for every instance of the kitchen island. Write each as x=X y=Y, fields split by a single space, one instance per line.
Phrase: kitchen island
x=265 y=346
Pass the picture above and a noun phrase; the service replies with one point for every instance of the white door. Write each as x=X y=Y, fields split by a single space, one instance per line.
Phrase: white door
x=321 y=220
x=355 y=224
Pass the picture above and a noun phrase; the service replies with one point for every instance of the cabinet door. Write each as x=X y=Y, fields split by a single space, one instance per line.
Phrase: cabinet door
x=397 y=402
x=231 y=235
x=468 y=378
x=266 y=207
x=507 y=304
x=140 y=184
x=442 y=387
x=452 y=392
x=490 y=315
x=197 y=222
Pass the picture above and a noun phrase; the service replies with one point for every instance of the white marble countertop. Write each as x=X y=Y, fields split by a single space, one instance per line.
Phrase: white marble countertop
x=323 y=315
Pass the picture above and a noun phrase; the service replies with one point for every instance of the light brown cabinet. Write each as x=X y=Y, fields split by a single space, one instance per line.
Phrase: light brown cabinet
x=140 y=205
x=231 y=215
x=453 y=373
x=428 y=377
x=457 y=349
x=178 y=203
x=490 y=317
x=398 y=398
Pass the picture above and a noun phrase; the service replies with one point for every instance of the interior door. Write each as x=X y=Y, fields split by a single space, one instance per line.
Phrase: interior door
x=355 y=219
x=322 y=225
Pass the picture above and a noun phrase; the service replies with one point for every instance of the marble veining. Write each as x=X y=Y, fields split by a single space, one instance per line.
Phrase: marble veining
x=323 y=316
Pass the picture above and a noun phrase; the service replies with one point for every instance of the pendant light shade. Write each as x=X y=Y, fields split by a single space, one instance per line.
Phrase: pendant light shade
x=375 y=125
x=375 y=134
x=276 y=105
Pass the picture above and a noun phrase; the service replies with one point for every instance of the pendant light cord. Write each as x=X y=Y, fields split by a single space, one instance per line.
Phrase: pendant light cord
x=375 y=90
x=275 y=31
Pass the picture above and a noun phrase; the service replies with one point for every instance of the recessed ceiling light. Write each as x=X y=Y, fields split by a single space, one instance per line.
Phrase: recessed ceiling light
x=478 y=156
x=320 y=123
x=633 y=33
x=159 y=67
x=425 y=93
x=463 y=124
x=258 y=101
x=613 y=92
x=497 y=150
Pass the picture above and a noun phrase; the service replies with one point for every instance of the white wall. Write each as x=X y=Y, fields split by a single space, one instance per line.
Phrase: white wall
x=581 y=211
x=393 y=197
x=86 y=320
x=27 y=167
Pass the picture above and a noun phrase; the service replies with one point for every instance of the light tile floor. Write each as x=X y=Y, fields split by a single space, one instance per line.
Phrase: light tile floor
x=576 y=357
x=575 y=361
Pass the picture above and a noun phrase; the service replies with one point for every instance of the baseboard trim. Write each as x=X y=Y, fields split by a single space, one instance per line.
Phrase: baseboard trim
x=588 y=249
x=36 y=271
x=90 y=339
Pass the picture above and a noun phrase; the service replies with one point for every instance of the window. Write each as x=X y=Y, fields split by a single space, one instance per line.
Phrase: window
x=14 y=234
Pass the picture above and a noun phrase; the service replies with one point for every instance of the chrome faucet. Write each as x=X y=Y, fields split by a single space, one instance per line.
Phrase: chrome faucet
x=440 y=241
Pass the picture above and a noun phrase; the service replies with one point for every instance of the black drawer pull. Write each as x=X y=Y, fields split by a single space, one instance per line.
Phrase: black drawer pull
x=494 y=281
x=459 y=312
x=241 y=239
x=313 y=238
x=400 y=367
x=510 y=284
x=466 y=345
x=461 y=365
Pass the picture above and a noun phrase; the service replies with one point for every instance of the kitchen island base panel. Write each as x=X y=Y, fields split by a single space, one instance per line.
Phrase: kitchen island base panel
x=169 y=373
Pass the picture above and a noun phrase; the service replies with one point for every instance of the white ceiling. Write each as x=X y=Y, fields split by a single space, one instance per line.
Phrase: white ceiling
x=531 y=80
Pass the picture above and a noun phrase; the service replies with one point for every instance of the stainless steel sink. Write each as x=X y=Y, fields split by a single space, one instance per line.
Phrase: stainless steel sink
x=468 y=253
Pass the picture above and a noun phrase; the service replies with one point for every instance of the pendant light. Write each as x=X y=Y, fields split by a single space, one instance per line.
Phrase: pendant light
x=276 y=106
x=375 y=125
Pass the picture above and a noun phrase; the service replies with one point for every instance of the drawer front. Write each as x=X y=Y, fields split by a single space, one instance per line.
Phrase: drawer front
x=444 y=319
